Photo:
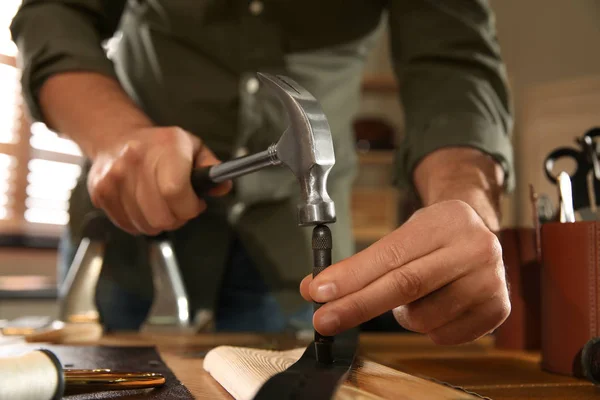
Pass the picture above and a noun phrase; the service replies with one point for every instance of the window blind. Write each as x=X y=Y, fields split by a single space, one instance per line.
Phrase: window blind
x=9 y=140
x=8 y=9
x=38 y=169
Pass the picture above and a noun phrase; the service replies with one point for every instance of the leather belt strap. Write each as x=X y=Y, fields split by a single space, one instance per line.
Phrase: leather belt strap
x=307 y=379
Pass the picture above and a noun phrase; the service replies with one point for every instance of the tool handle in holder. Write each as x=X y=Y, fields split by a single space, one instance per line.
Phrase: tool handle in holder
x=37 y=375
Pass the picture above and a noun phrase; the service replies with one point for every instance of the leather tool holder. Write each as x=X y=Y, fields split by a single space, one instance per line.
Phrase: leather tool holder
x=570 y=283
x=522 y=328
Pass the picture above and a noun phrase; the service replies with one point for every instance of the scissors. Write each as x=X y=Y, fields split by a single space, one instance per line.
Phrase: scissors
x=586 y=161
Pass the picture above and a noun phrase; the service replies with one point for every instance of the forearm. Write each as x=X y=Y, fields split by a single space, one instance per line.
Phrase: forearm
x=462 y=174
x=91 y=109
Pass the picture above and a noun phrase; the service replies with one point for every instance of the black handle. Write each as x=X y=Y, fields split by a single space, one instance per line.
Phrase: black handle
x=201 y=181
x=563 y=152
x=96 y=224
x=594 y=132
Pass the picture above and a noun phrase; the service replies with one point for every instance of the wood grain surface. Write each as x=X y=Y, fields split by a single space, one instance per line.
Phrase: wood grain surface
x=243 y=370
x=387 y=361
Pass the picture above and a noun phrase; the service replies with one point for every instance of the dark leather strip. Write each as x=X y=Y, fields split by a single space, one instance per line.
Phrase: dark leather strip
x=307 y=379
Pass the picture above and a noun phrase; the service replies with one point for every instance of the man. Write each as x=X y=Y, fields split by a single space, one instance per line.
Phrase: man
x=180 y=91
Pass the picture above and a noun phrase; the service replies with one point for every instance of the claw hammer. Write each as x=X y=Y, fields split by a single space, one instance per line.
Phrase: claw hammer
x=306 y=149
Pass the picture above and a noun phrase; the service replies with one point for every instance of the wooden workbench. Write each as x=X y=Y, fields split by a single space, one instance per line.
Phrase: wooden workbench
x=477 y=367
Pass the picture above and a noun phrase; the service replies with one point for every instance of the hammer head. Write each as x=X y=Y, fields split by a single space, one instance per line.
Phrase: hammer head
x=306 y=148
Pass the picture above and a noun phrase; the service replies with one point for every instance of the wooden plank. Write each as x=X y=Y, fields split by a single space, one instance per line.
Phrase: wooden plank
x=192 y=374
x=411 y=353
x=243 y=370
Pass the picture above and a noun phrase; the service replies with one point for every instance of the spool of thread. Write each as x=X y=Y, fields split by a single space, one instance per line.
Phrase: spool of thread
x=37 y=375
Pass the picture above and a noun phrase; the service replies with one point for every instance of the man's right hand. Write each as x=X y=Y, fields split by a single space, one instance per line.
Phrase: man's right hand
x=143 y=183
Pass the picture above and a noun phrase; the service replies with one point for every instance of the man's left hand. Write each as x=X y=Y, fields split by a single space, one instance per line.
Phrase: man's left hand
x=441 y=272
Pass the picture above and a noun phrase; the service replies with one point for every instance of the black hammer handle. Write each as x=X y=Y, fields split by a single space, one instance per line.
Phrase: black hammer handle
x=202 y=182
x=204 y=179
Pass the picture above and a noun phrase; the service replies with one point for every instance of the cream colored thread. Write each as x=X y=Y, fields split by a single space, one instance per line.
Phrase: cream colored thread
x=31 y=376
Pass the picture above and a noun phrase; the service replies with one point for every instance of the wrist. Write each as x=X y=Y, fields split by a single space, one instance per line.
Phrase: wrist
x=91 y=109
x=485 y=205
x=462 y=174
x=111 y=139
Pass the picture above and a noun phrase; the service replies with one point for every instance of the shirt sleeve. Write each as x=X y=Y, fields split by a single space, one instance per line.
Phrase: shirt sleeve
x=453 y=84
x=55 y=36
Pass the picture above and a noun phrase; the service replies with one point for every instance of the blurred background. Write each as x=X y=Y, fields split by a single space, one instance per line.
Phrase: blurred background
x=550 y=48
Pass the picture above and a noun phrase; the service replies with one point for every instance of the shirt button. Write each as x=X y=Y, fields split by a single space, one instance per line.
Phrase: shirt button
x=235 y=212
x=256 y=7
x=241 y=152
x=252 y=85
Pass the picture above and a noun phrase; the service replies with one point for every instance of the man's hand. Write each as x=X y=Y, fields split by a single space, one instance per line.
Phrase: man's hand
x=441 y=272
x=143 y=183
x=141 y=173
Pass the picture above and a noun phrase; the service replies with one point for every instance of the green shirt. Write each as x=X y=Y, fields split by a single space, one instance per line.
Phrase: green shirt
x=192 y=63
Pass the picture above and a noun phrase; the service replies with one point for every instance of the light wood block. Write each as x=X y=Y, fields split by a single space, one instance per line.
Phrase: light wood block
x=242 y=371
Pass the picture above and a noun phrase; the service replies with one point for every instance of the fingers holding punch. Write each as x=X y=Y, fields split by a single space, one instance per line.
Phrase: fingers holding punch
x=431 y=282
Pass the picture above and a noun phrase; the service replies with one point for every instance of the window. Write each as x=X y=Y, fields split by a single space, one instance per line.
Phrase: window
x=38 y=169
x=8 y=8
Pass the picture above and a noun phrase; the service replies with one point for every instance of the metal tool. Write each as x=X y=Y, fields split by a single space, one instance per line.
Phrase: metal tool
x=106 y=379
x=586 y=161
x=170 y=305
x=589 y=213
x=567 y=214
x=546 y=210
x=322 y=244
x=77 y=304
x=306 y=148
x=534 y=199
x=76 y=295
